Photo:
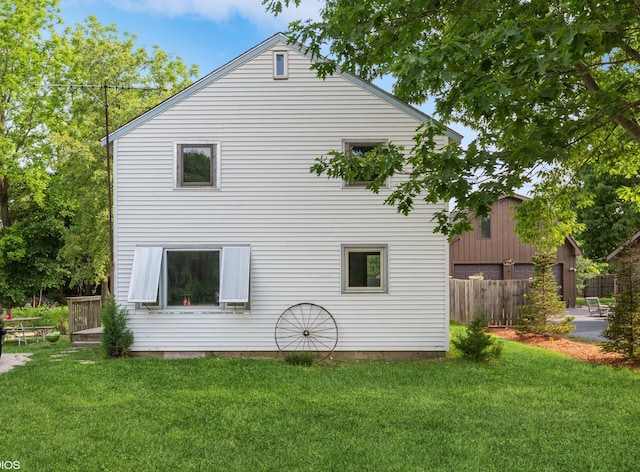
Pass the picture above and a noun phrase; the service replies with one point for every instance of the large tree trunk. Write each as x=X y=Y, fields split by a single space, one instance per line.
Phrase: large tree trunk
x=4 y=203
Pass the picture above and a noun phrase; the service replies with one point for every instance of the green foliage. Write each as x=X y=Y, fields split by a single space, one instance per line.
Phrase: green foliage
x=544 y=311
x=99 y=55
x=116 y=338
x=53 y=178
x=586 y=269
x=549 y=87
x=51 y=316
x=305 y=359
x=29 y=250
x=623 y=330
x=475 y=344
x=609 y=218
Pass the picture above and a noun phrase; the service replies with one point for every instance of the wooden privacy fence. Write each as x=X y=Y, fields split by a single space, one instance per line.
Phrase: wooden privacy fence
x=498 y=300
x=84 y=313
x=600 y=286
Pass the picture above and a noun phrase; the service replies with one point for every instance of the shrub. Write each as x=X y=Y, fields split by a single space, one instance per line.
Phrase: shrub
x=305 y=359
x=116 y=338
x=475 y=344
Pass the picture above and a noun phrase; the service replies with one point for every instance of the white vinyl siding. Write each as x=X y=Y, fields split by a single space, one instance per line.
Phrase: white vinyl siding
x=295 y=222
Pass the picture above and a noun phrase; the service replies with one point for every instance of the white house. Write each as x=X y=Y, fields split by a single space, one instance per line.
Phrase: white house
x=220 y=227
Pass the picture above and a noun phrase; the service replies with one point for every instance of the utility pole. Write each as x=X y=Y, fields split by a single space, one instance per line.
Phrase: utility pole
x=109 y=190
x=105 y=98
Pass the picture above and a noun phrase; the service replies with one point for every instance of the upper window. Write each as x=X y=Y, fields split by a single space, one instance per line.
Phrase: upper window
x=196 y=165
x=364 y=269
x=280 y=65
x=484 y=227
x=359 y=150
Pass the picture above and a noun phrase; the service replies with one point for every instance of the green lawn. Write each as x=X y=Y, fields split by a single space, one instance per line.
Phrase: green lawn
x=533 y=410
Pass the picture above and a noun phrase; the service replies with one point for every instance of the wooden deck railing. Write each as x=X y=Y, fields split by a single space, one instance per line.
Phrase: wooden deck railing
x=84 y=313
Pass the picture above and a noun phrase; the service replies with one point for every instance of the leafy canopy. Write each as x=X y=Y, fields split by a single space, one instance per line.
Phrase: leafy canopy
x=548 y=86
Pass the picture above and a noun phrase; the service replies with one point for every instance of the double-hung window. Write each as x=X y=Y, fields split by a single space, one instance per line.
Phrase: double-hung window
x=194 y=277
x=364 y=269
x=196 y=165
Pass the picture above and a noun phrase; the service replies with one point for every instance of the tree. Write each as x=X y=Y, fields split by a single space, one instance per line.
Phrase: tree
x=53 y=177
x=544 y=311
x=609 y=219
x=547 y=86
x=29 y=53
x=99 y=59
x=623 y=330
x=29 y=249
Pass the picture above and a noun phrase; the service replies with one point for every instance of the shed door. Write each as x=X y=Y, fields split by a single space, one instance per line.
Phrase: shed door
x=490 y=271
x=525 y=271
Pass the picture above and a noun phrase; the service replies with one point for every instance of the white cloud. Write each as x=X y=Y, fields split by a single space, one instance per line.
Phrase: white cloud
x=220 y=11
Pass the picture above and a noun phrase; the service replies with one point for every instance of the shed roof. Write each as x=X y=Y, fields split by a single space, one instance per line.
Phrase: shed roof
x=616 y=252
x=278 y=38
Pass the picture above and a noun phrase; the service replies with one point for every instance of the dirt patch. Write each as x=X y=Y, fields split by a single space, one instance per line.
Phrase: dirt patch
x=583 y=351
x=9 y=361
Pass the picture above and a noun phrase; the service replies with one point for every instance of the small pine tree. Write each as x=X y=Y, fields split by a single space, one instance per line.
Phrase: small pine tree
x=544 y=311
x=116 y=338
x=475 y=344
x=623 y=331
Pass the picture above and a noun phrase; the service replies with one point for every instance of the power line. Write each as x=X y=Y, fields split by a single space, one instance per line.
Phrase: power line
x=105 y=87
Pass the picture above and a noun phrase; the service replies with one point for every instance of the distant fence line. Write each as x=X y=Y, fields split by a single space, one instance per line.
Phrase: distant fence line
x=498 y=300
x=600 y=286
x=84 y=313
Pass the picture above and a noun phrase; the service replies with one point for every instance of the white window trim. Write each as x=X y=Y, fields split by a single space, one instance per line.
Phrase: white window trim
x=384 y=269
x=346 y=145
x=284 y=76
x=176 y=166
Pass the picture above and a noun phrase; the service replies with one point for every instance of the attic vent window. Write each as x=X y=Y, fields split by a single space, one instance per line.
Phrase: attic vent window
x=280 y=65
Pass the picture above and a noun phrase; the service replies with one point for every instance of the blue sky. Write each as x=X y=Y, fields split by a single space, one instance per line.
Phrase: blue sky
x=205 y=32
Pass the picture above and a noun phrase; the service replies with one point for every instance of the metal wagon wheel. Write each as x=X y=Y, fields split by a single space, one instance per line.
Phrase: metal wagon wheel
x=307 y=327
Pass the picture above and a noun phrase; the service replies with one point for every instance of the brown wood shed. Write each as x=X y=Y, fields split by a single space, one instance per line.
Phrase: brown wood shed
x=495 y=250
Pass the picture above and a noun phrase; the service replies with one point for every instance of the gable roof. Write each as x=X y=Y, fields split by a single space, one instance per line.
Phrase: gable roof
x=616 y=252
x=572 y=242
x=277 y=38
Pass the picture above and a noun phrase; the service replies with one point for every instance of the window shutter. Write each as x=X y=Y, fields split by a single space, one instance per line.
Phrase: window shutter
x=234 y=280
x=145 y=274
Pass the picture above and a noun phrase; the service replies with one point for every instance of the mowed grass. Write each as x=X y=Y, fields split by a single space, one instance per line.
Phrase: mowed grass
x=533 y=410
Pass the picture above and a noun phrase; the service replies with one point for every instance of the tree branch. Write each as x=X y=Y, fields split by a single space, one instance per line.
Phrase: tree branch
x=631 y=126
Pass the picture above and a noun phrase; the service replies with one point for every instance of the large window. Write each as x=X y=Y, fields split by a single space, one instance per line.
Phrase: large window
x=171 y=277
x=364 y=269
x=359 y=150
x=193 y=277
x=196 y=165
